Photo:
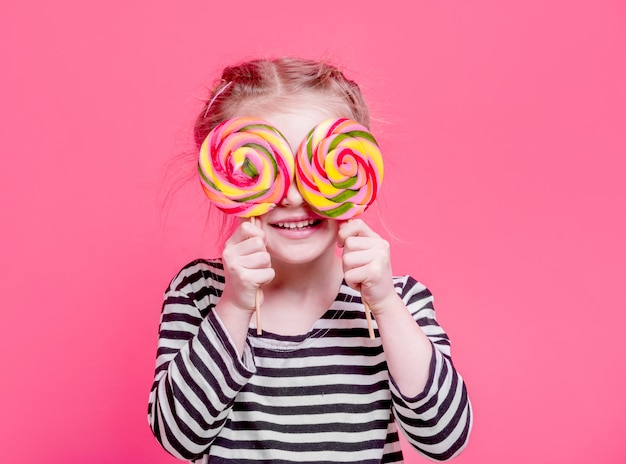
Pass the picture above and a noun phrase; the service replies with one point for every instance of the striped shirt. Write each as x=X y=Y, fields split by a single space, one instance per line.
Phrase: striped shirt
x=323 y=397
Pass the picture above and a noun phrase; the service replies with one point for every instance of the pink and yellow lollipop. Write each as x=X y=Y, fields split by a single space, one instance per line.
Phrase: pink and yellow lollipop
x=245 y=166
x=339 y=169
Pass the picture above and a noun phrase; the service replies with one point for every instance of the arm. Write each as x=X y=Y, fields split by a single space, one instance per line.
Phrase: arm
x=430 y=399
x=198 y=369
x=437 y=420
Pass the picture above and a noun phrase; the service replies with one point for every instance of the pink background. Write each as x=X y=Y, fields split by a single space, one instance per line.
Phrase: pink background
x=503 y=124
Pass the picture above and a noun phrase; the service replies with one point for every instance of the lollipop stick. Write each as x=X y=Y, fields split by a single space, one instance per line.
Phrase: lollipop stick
x=368 y=316
x=257 y=298
x=257 y=305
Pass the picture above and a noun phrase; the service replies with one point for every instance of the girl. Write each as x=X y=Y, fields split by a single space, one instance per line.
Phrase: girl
x=313 y=387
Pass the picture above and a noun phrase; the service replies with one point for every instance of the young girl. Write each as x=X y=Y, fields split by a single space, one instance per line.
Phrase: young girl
x=312 y=387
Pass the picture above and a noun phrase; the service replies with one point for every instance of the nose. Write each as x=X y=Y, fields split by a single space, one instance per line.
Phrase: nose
x=293 y=197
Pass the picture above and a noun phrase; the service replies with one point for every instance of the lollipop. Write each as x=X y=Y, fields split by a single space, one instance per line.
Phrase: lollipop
x=245 y=166
x=339 y=170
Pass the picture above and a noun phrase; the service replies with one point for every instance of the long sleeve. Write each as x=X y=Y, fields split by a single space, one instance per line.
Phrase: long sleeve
x=198 y=371
x=324 y=396
x=438 y=421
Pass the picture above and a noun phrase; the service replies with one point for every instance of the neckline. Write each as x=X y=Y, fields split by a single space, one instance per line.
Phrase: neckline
x=278 y=342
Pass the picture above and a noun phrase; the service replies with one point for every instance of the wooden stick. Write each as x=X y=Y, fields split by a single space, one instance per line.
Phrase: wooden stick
x=368 y=316
x=257 y=305
x=257 y=298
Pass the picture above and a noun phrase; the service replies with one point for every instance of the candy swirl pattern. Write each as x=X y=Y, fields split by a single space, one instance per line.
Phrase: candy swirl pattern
x=246 y=166
x=339 y=169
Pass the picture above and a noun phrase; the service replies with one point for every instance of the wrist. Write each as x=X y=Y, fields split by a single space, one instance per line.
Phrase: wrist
x=386 y=305
x=244 y=305
x=234 y=314
x=236 y=321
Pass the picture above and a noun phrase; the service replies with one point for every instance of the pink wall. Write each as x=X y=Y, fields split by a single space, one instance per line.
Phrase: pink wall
x=504 y=125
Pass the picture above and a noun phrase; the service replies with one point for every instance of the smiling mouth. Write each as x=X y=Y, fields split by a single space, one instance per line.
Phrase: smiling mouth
x=297 y=225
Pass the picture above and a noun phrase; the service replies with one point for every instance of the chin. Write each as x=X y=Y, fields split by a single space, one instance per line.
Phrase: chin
x=302 y=252
x=301 y=255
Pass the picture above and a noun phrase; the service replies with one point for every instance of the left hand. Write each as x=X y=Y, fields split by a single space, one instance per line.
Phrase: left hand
x=367 y=263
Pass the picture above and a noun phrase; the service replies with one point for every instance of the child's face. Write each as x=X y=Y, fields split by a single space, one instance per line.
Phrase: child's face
x=294 y=233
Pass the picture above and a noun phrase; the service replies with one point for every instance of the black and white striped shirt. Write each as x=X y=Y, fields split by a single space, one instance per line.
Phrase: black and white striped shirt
x=323 y=397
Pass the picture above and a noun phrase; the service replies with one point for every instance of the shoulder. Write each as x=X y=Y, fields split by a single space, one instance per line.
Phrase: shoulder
x=408 y=285
x=414 y=293
x=199 y=273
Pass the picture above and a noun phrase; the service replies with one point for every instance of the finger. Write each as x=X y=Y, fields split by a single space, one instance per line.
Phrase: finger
x=257 y=277
x=357 y=243
x=370 y=263
x=354 y=278
x=356 y=259
x=244 y=231
x=247 y=246
x=250 y=271
x=249 y=254
x=258 y=260
x=354 y=228
x=375 y=264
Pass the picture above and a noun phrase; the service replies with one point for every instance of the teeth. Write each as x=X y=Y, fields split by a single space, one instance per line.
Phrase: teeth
x=296 y=225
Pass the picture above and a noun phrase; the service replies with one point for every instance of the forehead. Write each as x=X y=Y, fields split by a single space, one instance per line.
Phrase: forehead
x=294 y=118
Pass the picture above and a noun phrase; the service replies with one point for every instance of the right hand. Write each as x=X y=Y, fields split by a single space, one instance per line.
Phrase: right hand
x=247 y=266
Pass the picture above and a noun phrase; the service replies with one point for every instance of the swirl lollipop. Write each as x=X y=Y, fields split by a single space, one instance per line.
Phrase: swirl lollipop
x=339 y=170
x=246 y=167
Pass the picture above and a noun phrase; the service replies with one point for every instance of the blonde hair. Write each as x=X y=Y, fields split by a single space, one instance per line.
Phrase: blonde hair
x=268 y=82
